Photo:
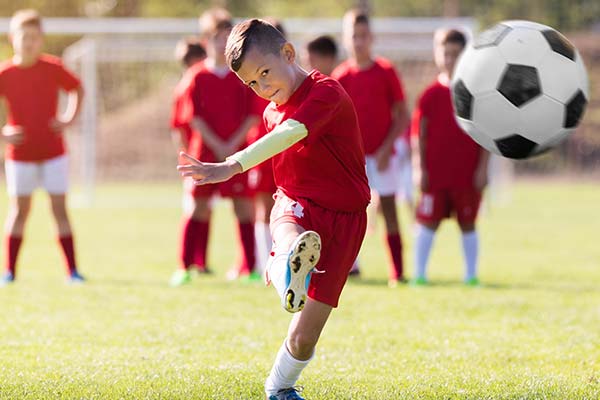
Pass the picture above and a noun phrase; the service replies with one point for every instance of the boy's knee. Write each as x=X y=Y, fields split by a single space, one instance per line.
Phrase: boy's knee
x=301 y=345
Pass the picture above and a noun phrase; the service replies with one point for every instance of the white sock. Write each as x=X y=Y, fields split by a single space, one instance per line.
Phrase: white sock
x=470 y=242
x=263 y=240
x=285 y=372
x=423 y=250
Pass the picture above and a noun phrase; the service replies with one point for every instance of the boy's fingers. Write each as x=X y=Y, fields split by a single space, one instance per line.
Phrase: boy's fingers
x=189 y=158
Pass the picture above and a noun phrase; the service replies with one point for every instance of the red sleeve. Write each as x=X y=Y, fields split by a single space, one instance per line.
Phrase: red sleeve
x=195 y=101
x=395 y=85
x=424 y=104
x=317 y=110
x=66 y=79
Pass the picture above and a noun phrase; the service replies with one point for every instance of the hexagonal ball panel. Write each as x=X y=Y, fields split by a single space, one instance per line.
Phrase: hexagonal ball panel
x=495 y=116
x=462 y=100
x=559 y=44
x=515 y=146
x=479 y=137
x=520 y=84
x=575 y=108
x=542 y=119
x=491 y=37
x=524 y=47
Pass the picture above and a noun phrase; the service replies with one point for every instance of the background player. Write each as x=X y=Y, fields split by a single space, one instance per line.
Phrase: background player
x=322 y=187
x=377 y=93
x=35 y=152
x=322 y=54
x=190 y=53
x=223 y=112
x=453 y=166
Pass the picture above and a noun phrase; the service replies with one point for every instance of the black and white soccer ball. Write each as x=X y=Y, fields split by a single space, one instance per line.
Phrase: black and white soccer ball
x=519 y=89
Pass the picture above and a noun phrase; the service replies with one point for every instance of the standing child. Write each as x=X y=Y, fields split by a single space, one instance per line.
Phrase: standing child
x=453 y=167
x=376 y=90
x=190 y=53
x=319 y=218
x=222 y=109
x=35 y=152
x=322 y=54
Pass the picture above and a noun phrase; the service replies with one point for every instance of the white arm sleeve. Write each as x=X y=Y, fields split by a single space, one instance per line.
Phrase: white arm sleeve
x=285 y=135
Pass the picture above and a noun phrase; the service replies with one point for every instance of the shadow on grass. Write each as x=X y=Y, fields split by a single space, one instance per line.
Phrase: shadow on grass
x=436 y=284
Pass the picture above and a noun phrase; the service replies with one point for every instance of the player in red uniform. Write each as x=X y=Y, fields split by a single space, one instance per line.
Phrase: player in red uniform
x=190 y=53
x=376 y=90
x=223 y=112
x=319 y=217
x=35 y=152
x=453 y=166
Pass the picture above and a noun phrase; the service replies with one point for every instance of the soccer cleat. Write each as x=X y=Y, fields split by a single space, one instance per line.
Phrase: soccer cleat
x=303 y=257
x=472 y=282
x=7 y=279
x=286 y=394
x=75 y=278
x=420 y=281
x=180 y=277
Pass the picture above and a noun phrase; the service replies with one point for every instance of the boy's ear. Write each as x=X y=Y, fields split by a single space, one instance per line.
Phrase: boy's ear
x=288 y=52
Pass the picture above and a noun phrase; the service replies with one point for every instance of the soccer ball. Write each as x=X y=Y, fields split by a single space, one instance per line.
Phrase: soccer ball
x=519 y=89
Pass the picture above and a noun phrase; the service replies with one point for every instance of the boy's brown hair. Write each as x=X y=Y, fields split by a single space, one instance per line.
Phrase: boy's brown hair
x=252 y=33
x=356 y=16
x=277 y=24
x=323 y=45
x=26 y=17
x=445 y=36
x=188 y=49
x=214 y=21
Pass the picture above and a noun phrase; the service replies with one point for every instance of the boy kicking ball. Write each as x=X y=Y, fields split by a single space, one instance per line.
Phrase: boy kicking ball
x=319 y=218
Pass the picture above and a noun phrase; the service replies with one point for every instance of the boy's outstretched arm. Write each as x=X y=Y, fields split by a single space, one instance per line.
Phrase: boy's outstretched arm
x=284 y=136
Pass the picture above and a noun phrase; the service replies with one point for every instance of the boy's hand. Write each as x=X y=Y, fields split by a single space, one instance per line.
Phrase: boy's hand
x=205 y=173
x=383 y=158
x=14 y=134
x=57 y=125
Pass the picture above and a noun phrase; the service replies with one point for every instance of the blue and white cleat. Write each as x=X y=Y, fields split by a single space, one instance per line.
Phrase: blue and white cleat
x=7 y=279
x=286 y=394
x=75 y=278
x=301 y=262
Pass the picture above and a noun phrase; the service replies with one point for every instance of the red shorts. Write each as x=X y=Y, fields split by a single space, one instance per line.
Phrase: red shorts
x=341 y=234
x=439 y=204
x=260 y=178
x=233 y=188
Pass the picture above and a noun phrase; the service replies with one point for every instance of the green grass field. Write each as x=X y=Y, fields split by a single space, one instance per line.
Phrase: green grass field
x=531 y=332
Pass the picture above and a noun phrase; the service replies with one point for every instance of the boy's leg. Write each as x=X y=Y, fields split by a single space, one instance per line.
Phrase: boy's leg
x=264 y=242
x=470 y=244
x=299 y=347
x=15 y=224
x=244 y=211
x=194 y=240
x=65 y=235
x=466 y=203
x=394 y=240
x=423 y=245
x=21 y=180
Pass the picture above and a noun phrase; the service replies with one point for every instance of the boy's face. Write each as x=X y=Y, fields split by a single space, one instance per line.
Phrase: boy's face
x=216 y=44
x=270 y=75
x=322 y=63
x=358 y=39
x=446 y=55
x=27 y=41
